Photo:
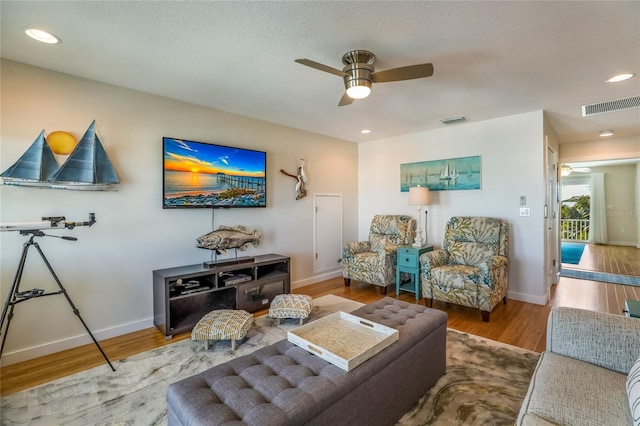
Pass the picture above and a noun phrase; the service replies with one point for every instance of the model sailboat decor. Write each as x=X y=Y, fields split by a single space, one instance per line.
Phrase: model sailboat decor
x=87 y=167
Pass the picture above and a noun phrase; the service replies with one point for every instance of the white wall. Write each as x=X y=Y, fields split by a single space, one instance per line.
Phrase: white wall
x=620 y=199
x=108 y=271
x=602 y=149
x=512 y=150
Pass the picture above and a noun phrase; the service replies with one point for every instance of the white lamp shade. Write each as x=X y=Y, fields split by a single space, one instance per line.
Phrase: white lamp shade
x=418 y=196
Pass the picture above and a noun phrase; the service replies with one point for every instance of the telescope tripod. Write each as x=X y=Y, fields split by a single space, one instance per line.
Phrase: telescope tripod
x=15 y=296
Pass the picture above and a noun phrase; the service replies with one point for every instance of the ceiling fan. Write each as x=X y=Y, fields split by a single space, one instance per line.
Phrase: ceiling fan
x=566 y=170
x=359 y=74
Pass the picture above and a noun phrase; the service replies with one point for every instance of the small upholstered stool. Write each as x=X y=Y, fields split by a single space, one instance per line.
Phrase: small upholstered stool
x=291 y=306
x=223 y=324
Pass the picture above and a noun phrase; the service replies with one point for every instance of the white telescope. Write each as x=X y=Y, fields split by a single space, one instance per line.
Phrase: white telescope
x=53 y=222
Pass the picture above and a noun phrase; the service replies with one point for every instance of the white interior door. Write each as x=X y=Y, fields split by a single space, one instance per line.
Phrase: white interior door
x=327 y=232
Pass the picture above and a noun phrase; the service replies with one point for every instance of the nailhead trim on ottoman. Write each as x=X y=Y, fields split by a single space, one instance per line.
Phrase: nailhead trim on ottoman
x=291 y=306
x=223 y=324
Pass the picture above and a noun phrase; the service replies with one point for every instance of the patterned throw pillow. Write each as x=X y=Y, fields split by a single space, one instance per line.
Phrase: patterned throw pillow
x=633 y=392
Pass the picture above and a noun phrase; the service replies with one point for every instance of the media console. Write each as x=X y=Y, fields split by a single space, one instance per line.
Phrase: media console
x=184 y=294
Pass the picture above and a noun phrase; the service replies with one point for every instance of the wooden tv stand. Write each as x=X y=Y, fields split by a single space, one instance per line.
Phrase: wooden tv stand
x=184 y=294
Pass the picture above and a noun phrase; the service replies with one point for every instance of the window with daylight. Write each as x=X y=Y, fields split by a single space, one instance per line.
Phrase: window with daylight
x=575 y=211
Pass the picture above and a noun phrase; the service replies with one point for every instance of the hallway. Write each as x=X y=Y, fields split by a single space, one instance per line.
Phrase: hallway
x=596 y=295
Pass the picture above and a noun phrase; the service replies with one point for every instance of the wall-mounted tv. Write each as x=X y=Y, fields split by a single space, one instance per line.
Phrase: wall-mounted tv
x=204 y=175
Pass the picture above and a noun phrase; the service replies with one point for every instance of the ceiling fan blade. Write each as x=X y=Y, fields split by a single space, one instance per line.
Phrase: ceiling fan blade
x=403 y=73
x=345 y=100
x=321 y=67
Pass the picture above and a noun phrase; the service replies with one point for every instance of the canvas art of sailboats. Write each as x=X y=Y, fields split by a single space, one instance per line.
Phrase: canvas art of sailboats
x=450 y=174
x=87 y=168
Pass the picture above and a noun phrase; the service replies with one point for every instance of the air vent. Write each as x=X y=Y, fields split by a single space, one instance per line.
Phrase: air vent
x=619 y=105
x=454 y=120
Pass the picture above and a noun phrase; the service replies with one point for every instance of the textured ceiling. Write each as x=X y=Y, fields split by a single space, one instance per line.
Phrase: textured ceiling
x=491 y=59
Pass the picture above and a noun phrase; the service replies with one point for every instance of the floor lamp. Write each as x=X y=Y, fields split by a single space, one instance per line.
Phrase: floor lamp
x=419 y=196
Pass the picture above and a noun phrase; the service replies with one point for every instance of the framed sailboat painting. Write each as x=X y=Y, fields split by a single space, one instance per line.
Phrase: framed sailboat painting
x=442 y=175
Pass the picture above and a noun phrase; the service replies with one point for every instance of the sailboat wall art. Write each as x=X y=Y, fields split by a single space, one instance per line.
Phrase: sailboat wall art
x=87 y=167
x=442 y=175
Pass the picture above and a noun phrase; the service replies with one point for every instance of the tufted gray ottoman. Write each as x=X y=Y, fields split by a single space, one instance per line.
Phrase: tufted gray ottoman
x=283 y=384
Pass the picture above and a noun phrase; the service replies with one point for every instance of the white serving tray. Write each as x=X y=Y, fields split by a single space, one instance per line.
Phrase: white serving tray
x=342 y=339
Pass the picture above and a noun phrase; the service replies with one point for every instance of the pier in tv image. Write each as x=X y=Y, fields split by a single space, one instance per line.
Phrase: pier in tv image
x=204 y=175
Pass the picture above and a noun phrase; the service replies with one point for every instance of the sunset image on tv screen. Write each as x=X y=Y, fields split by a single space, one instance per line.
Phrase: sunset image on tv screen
x=198 y=174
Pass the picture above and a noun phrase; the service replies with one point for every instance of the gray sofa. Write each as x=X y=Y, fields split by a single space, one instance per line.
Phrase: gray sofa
x=283 y=384
x=581 y=377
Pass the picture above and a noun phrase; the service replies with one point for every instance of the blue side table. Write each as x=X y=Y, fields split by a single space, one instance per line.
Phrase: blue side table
x=408 y=261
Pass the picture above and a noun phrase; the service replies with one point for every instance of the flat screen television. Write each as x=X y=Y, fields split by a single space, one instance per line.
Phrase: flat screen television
x=205 y=175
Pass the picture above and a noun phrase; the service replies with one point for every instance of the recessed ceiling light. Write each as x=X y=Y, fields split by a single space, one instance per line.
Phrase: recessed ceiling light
x=42 y=36
x=365 y=131
x=606 y=133
x=620 y=77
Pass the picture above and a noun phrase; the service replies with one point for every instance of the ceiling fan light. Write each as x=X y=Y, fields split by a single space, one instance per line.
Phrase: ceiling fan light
x=359 y=92
x=565 y=170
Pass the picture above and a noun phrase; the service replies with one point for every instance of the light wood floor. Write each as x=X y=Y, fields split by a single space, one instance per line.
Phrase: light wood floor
x=516 y=323
x=622 y=260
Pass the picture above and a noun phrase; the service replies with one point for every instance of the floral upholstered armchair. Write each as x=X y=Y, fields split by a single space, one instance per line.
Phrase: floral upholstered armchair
x=471 y=269
x=374 y=261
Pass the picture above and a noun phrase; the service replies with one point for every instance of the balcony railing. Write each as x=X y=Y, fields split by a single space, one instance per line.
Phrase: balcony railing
x=574 y=229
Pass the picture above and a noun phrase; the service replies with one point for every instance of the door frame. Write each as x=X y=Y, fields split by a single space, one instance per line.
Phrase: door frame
x=551 y=219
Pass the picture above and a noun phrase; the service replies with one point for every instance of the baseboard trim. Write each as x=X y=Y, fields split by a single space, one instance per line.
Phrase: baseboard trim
x=623 y=243
x=317 y=278
x=25 y=354
x=528 y=298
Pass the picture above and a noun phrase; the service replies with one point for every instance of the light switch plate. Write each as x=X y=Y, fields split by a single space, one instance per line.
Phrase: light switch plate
x=525 y=211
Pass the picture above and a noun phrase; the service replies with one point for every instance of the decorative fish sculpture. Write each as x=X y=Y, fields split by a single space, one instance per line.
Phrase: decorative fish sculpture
x=226 y=237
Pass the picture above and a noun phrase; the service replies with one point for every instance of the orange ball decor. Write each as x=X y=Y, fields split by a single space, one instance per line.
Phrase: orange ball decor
x=61 y=143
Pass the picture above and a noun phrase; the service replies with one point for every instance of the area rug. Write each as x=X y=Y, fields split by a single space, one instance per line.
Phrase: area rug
x=600 y=276
x=571 y=252
x=485 y=381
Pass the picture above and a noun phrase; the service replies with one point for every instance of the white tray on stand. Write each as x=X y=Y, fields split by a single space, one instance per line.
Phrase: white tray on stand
x=342 y=339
